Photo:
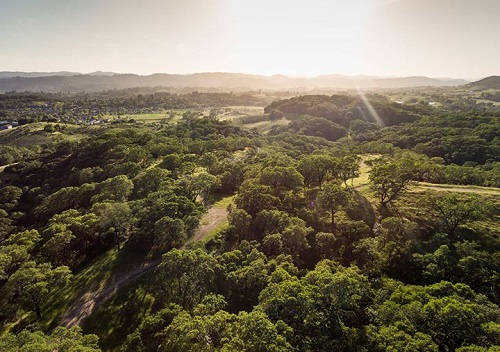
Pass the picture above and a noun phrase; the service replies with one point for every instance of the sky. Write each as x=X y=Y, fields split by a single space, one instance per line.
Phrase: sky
x=438 y=38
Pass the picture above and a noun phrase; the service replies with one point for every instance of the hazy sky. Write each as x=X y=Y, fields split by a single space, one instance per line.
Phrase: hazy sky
x=456 y=38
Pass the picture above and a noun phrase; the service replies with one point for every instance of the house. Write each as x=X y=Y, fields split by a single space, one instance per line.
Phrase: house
x=5 y=127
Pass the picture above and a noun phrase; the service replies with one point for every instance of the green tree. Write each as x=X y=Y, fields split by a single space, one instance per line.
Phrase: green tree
x=452 y=210
x=254 y=197
x=391 y=339
x=316 y=168
x=32 y=284
x=331 y=198
x=281 y=179
x=185 y=276
x=390 y=179
x=60 y=340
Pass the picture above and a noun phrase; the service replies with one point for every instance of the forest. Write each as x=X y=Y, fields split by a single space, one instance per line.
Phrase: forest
x=350 y=221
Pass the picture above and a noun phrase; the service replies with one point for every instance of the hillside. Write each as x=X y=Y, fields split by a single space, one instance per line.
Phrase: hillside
x=196 y=230
x=492 y=82
x=104 y=81
x=11 y=74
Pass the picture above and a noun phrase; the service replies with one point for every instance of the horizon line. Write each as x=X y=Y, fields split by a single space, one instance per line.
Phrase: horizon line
x=305 y=76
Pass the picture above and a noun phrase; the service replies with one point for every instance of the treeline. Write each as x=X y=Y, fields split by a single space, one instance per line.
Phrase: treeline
x=85 y=107
x=343 y=109
x=457 y=139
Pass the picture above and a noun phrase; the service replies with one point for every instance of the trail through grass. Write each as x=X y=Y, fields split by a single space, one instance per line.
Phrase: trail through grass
x=98 y=282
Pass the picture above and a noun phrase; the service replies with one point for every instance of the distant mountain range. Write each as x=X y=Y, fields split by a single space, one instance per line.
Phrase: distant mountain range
x=10 y=74
x=77 y=82
x=492 y=82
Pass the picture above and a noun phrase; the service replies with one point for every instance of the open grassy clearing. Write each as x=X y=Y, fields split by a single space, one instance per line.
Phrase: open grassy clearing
x=232 y=112
x=457 y=188
x=94 y=285
x=92 y=277
x=265 y=126
x=168 y=115
x=213 y=221
x=34 y=134
x=364 y=170
x=361 y=183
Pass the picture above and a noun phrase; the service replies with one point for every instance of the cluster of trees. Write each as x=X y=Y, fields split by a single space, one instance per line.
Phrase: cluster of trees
x=344 y=109
x=307 y=261
x=457 y=139
x=135 y=190
x=85 y=107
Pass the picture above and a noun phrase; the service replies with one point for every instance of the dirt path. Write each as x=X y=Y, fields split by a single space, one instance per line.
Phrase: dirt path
x=3 y=167
x=214 y=218
x=85 y=305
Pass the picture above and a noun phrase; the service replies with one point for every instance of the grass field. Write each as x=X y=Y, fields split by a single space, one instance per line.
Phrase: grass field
x=232 y=112
x=457 y=188
x=171 y=116
x=33 y=134
x=362 y=183
x=364 y=170
x=265 y=126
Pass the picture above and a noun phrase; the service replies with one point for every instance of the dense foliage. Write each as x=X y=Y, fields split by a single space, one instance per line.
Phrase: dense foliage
x=330 y=242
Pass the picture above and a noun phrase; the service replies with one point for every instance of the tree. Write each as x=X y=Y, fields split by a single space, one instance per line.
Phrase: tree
x=150 y=181
x=326 y=245
x=169 y=232
x=270 y=221
x=452 y=210
x=201 y=184
x=60 y=340
x=15 y=250
x=221 y=331
x=9 y=197
x=316 y=167
x=32 y=284
x=281 y=179
x=294 y=239
x=390 y=179
x=185 y=276
x=254 y=332
x=331 y=197
x=390 y=338
x=348 y=167
x=453 y=315
x=254 y=197
x=117 y=189
x=301 y=303
x=272 y=245
x=115 y=218
x=70 y=237
x=149 y=335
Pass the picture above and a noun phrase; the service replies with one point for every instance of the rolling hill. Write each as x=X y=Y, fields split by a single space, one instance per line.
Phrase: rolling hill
x=491 y=82
x=104 y=81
